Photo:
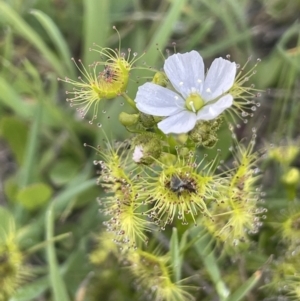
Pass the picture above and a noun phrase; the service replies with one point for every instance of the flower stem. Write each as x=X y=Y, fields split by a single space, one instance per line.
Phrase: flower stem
x=129 y=100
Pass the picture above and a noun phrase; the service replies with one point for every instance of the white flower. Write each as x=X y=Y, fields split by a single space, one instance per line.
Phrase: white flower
x=202 y=97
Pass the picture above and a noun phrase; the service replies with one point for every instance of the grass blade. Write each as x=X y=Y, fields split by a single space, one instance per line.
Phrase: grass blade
x=208 y=258
x=175 y=255
x=11 y=99
x=96 y=25
x=31 y=148
x=57 y=39
x=163 y=32
x=23 y=29
x=242 y=291
x=57 y=283
x=32 y=290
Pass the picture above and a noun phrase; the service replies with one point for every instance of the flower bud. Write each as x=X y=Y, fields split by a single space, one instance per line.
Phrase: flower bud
x=291 y=177
x=128 y=119
x=160 y=79
x=167 y=159
x=147 y=120
x=284 y=154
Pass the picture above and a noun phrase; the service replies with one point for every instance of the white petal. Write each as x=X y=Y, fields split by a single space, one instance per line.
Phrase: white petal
x=211 y=111
x=158 y=101
x=185 y=72
x=138 y=154
x=179 y=123
x=219 y=79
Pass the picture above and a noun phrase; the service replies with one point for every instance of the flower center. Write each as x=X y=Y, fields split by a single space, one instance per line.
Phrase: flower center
x=194 y=102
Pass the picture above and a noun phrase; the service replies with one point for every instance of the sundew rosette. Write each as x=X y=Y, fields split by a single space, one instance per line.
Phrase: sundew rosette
x=288 y=227
x=12 y=270
x=103 y=79
x=153 y=276
x=122 y=202
x=284 y=276
x=181 y=190
x=239 y=213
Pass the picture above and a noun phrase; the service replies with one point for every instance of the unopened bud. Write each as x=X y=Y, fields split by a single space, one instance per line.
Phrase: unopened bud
x=291 y=177
x=284 y=154
x=128 y=119
x=160 y=79
x=167 y=159
x=147 y=120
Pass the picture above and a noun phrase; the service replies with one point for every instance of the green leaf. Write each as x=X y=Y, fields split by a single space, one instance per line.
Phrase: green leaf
x=175 y=255
x=34 y=196
x=58 y=286
x=62 y=200
x=63 y=171
x=246 y=287
x=15 y=132
x=11 y=188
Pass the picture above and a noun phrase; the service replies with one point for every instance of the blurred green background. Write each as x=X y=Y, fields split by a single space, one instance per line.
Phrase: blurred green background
x=48 y=185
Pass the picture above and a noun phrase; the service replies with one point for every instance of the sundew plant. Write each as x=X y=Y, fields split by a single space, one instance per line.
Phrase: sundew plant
x=149 y=150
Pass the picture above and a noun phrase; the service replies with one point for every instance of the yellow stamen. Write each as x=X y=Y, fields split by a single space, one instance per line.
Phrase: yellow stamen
x=194 y=102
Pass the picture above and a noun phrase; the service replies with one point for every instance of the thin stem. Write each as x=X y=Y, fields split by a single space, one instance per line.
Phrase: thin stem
x=129 y=100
